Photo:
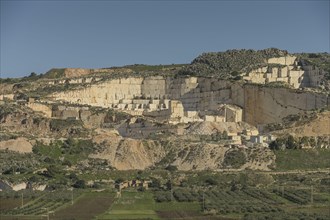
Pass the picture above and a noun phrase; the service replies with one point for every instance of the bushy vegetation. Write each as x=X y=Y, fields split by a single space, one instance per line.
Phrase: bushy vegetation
x=292 y=121
x=54 y=73
x=320 y=60
x=302 y=159
x=290 y=142
x=73 y=149
x=72 y=126
x=143 y=67
x=247 y=202
x=32 y=77
x=234 y=159
x=40 y=202
x=230 y=64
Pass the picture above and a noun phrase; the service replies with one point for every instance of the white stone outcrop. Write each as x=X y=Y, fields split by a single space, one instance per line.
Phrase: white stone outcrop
x=152 y=96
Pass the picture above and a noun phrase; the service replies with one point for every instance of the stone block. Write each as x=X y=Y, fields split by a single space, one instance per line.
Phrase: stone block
x=282 y=79
x=296 y=73
x=290 y=60
x=287 y=60
x=284 y=72
x=193 y=80
x=140 y=101
x=248 y=78
x=126 y=101
x=153 y=106
x=210 y=118
x=274 y=72
x=191 y=114
x=233 y=114
x=219 y=119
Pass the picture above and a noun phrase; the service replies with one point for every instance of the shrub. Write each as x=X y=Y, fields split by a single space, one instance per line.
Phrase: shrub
x=80 y=184
x=211 y=181
x=234 y=159
x=171 y=168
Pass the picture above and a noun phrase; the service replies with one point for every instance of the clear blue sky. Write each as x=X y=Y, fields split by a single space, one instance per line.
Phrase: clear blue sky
x=39 y=35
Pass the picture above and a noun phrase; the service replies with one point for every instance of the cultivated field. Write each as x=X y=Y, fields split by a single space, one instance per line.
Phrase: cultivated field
x=276 y=195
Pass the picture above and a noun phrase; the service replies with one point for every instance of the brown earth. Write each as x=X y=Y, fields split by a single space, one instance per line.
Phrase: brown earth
x=86 y=207
x=21 y=145
x=317 y=127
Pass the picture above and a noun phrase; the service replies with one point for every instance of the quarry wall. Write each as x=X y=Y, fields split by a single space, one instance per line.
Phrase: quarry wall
x=264 y=105
x=260 y=105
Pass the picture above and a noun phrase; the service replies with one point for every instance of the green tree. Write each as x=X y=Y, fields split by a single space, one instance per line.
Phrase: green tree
x=155 y=183
x=32 y=75
x=171 y=168
x=291 y=143
x=80 y=184
x=211 y=181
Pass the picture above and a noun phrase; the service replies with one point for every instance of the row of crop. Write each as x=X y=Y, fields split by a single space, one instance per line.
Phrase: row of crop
x=35 y=208
x=285 y=215
x=262 y=195
x=220 y=196
x=162 y=196
x=239 y=202
x=186 y=196
x=292 y=197
x=47 y=201
x=240 y=209
x=224 y=201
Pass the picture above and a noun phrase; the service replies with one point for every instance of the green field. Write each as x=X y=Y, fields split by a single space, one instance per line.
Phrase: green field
x=207 y=195
x=132 y=205
x=308 y=159
x=141 y=205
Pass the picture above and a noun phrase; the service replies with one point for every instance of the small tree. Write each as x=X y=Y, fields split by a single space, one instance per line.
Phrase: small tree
x=171 y=168
x=291 y=143
x=225 y=135
x=33 y=74
x=80 y=184
x=169 y=184
x=155 y=183
x=119 y=180
x=210 y=181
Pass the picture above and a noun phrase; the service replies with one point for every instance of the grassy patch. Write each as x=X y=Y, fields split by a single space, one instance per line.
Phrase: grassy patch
x=133 y=205
x=175 y=206
x=302 y=159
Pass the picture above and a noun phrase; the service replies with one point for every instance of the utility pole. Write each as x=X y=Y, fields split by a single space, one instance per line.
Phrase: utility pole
x=72 y=197
x=282 y=191
x=22 y=199
x=47 y=213
x=203 y=202
x=171 y=189
x=312 y=196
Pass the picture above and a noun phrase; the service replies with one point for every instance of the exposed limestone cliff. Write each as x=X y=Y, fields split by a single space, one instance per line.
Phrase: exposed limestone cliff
x=197 y=117
x=261 y=105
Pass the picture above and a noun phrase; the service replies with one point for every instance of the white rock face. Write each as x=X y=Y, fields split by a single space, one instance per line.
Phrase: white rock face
x=287 y=60
x=295 y=75
x=137 y=96
x=47 y=111
x=19 y=186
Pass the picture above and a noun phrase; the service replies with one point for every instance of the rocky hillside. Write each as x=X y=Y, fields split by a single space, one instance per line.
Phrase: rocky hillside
x=231 y=63
x=144 y=116
x=184 y=154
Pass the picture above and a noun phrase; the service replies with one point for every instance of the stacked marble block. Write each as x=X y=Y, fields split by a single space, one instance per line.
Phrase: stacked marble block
x=289 y=72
